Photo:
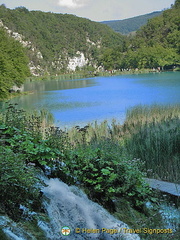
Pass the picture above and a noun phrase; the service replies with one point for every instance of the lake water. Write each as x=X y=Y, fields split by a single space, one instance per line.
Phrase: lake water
x=99 y=98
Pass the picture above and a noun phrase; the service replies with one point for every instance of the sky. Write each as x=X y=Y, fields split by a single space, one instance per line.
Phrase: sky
x=96 y=10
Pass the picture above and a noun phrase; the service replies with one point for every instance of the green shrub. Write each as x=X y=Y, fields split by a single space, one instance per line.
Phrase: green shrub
x=35 y=122
x=33 y=150
x=17 y=183
x=106 y=173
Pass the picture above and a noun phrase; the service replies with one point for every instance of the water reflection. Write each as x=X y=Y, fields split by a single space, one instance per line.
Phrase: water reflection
x=84 y=100
x=51 y=85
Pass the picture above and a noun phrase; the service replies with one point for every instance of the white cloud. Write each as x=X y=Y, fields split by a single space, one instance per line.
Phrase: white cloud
x=72 y=3
x=97 y=10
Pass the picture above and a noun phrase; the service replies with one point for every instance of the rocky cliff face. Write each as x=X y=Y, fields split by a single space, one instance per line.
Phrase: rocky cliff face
x=77 y=61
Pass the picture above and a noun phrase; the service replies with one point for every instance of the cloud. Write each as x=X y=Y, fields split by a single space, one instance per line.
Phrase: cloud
x=72 y=3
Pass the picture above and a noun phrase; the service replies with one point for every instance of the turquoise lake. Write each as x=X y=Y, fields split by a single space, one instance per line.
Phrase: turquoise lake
x=79 y=101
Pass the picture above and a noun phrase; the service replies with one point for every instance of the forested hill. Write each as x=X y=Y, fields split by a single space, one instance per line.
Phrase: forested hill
x=157 y=44
x=129 y=25
x=54 y=40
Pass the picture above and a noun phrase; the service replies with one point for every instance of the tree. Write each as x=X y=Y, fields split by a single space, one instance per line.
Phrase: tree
x=13 y=63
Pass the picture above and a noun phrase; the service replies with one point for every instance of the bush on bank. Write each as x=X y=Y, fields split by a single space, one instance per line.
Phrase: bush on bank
x=106 y=173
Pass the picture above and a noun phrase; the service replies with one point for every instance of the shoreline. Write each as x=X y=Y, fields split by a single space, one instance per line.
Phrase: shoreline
x=113 y=72
x=82 y=74
x=71 y=76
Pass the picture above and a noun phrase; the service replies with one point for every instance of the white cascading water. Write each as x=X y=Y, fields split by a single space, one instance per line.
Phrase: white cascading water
x=13 y=231
x=69 y=206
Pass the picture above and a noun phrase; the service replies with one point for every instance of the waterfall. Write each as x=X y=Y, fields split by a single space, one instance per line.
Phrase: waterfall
x=70 y=207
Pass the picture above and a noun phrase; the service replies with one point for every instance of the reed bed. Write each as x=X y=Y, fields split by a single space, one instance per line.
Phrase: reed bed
x=153 y=135
x=149 y=133
x=143 y=114
x=94 y=132
x=65 y=76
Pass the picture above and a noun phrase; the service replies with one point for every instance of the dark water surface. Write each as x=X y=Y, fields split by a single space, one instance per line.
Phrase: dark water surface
x=99 y=98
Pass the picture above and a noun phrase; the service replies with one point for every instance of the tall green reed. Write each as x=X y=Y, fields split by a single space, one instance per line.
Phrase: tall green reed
x=153 y=135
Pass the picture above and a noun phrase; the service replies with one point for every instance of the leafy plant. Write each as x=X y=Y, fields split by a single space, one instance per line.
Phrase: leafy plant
x=25 y=133
x=34 y=150
x=18 y=183
x=106 y=174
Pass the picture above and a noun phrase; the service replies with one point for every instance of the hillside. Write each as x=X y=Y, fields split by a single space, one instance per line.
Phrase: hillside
x=155 y=45
x=57 y=42
x=129 y=25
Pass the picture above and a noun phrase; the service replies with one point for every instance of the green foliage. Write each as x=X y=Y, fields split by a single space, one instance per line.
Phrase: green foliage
x=34 y=150
x=161 y=33
x=103 y=160
x=34 y=122
x=111 y=58
x=13 y=63
x=106 y=173
x=163 y=30
x=26 y=134
x=156 y=44
x=3 y=235
x=177 y=4
x=148 y=57
x=17 y=183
